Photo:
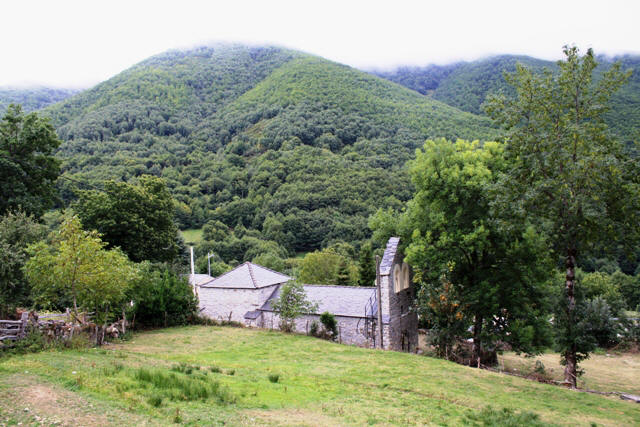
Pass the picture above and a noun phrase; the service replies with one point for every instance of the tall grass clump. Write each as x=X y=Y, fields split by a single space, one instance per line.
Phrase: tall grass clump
x=178 y=386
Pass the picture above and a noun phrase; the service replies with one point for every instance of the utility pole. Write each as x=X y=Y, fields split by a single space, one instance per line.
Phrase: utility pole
x=379 y=294
x=209 y=256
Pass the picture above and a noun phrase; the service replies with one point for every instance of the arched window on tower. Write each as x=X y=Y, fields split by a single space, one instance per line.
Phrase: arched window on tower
x=397 y=278
x=405 y=276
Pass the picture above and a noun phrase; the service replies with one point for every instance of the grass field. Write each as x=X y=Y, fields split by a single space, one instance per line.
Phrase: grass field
x=192 y=237
x=602 y=371
x=222 y=375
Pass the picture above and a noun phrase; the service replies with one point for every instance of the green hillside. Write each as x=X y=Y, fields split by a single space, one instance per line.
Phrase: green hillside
x=466 y=85
x=259 y=377
x=32 y=98
x=257 y=135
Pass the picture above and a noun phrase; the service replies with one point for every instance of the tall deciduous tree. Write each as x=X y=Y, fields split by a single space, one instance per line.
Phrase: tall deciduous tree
x=569 y=174
x=78 y=265
x=138 y=218
x=28 y=170
x=495 y=262
x=17 y=231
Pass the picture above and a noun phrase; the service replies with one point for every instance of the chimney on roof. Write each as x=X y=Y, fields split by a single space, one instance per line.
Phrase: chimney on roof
x=192 y=266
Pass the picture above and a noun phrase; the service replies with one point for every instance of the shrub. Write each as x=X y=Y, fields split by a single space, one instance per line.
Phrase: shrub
x=161 y=298
x=274 y=378
x=330 y=324
x=313 y=329
x=291 y=304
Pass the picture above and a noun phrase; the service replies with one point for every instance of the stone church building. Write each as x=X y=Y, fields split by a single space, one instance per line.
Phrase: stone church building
x=377 y=317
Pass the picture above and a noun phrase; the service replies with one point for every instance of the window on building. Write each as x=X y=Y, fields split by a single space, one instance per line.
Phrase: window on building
x=397 y=278
x=405 y=276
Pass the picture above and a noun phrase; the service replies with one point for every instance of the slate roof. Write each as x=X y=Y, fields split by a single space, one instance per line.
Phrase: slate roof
x=247 y=276
x=252 y=315
x=199 y=279
x=389 y=255
x=338 y=300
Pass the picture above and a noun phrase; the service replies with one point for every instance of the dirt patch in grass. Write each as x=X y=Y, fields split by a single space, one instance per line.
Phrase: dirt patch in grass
x=291 y=417
x=28 y=401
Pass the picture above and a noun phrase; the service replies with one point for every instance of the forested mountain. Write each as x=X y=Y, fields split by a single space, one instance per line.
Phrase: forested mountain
x=465 y=85
x=297 y=148
x=32 y=98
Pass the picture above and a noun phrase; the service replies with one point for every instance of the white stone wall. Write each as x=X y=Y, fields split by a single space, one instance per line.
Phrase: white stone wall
x=351 y=330
x=220 y=303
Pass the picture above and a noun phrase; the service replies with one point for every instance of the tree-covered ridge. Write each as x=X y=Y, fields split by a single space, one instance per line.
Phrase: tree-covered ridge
x=32 y=98
x=466 y=85
x=259 y=138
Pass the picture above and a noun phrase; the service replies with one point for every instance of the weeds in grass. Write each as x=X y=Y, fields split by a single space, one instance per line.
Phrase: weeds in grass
x=274 y=378
x=185 y=368
x=113 y=369
x=506 y=417
x=155 y=400
x=177 y=387
x=215 y=369
x=231 y=372
x=177 y=418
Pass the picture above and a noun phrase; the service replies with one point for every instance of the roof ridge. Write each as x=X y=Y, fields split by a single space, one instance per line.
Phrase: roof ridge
x=267 y=268
x=340 y=286
x=253 y=279
x=224 y=274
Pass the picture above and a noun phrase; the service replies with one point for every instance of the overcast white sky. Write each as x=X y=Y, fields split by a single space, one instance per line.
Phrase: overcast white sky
x=80 y=43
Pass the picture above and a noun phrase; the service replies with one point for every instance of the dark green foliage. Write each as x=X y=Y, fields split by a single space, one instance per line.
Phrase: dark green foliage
x=629 y=288
x=17 y=231
x=28 y=170
x=570 y=176
x=161 y=298
x=366 y=266
x=33 y=98
x=155 y=400
x=297 y=148
x=291 y=304
x=137 y=218
x=495 y=265
x=313 y=328
x=506 y=417
x=330 y=324
x=274 y=378
x=467 y=85
x=33 y=342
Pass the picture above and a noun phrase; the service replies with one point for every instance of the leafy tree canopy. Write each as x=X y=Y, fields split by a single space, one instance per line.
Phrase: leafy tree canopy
x=28 y=170
x=137 y=218
x=17 y=231
x=77 y=265
x=568 y=174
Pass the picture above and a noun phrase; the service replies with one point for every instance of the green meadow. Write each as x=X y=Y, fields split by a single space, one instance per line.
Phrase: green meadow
x=201 y=375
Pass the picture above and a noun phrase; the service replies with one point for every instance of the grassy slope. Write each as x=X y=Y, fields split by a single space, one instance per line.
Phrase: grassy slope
x=603 y=372
x=320 y=383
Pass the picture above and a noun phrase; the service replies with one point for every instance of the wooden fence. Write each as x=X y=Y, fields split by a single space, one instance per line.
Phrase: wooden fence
x=14 y=329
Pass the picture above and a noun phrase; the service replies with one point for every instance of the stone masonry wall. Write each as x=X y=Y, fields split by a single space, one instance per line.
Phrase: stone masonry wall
x=402 y=331
x=220 y=303
x=351 y=330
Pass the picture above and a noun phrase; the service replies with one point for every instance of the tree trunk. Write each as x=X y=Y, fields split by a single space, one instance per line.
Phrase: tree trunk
x=571 y=368
x=477 y=344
